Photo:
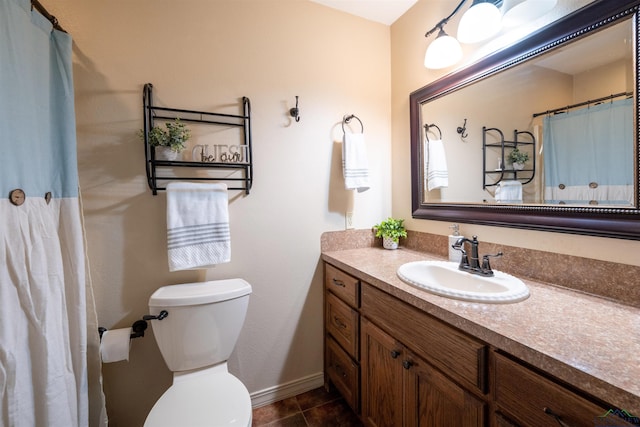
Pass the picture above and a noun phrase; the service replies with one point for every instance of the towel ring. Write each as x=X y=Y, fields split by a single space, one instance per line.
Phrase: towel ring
x=347 y=119
x=426 y=130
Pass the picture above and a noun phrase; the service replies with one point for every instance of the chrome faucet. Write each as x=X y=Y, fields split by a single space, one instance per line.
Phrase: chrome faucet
x=471 y=263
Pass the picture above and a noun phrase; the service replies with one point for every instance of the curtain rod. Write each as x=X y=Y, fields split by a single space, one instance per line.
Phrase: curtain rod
x=581 y=104
x=40 y=8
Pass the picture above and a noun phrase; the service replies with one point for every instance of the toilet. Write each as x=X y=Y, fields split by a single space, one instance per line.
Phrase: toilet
x=196 y=338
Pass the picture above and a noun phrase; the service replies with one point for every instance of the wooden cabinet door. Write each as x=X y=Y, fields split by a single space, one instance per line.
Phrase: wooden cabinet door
x=433 y=400
x=381 y=374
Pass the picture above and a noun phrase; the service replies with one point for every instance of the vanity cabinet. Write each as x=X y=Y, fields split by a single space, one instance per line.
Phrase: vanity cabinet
x=342 y=334
x=398 y=366
x=400 y=388
x=418 y=372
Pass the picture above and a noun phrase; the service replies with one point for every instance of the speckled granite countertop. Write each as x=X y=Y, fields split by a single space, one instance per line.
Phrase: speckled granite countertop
x=589 y=342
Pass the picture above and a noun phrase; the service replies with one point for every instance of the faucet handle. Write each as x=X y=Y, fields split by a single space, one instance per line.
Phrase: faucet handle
x=485 y=261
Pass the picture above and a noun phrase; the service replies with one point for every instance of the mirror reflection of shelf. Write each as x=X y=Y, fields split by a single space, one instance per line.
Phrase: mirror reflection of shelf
x=523 y=140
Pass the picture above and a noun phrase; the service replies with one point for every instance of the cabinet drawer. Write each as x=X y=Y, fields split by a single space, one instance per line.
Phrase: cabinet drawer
x=344 y=373
x=342 y=284
x=527 y=398
x=448 y=349
x=342 y=322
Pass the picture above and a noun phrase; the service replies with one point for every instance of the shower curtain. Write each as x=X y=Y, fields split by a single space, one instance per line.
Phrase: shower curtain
x=589 y=155
x=43 y=317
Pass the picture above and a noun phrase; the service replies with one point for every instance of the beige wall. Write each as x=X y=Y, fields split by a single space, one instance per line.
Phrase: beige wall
x=408 y=45
x=205 y=55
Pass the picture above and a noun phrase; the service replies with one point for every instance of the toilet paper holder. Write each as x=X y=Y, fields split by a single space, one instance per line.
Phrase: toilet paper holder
x=139 y=326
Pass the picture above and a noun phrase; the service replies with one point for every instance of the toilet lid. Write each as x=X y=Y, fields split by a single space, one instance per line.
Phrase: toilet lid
x=203 y=402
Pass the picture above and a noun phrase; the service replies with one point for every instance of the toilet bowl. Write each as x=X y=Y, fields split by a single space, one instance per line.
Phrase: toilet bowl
x=196 y=339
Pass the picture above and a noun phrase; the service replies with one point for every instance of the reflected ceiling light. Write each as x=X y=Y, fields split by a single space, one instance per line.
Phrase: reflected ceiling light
x=518 y=12
x=480 y=22
x=443 y=52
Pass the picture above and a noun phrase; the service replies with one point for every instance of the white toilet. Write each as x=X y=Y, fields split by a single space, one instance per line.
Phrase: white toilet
x=196 y=338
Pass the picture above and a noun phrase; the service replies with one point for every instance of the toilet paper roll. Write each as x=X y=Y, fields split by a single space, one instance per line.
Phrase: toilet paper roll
x=115 y=344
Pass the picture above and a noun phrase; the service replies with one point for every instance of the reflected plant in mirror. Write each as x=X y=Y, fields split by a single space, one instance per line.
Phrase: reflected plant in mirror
x=563 y=102
x=518 y=158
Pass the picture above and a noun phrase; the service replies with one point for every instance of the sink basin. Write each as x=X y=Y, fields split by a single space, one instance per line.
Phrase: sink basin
x=443 y=278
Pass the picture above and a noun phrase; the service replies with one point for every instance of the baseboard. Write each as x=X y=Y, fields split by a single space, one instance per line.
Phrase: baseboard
x=284 y=391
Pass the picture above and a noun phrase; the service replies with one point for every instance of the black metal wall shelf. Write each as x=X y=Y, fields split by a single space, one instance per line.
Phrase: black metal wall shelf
x=525 y=176
x=154 y=165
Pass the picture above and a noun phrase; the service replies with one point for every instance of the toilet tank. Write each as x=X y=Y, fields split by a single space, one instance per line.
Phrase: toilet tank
x=203 y=323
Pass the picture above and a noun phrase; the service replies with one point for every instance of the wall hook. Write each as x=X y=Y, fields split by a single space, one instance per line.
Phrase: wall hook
x=462 y=130
x=295 y=112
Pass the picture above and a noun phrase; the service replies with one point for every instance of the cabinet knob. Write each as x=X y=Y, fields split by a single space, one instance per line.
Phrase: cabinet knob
x=556 y=417
x=338 y=282
x=395 y=354
x=407 y=364
x=339 y=322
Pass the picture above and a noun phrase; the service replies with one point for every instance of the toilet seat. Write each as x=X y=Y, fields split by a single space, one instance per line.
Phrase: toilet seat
x=205 y=398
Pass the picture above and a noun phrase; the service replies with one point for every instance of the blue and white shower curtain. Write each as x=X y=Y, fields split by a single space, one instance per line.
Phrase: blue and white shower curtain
x=43 y=320
x=589 y=155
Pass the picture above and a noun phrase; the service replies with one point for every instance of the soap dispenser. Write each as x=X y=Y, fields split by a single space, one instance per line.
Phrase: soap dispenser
x=454 y=255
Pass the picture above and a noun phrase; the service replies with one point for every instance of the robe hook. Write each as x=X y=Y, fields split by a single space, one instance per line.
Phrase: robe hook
x=295 y=112
x=462 y=130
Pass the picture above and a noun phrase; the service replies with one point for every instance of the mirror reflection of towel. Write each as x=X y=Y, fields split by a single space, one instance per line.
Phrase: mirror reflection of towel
x=509 y=192
x=436 y=172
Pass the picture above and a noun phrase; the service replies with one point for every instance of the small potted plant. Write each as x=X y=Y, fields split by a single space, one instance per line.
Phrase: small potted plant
x=172 y=140
x=391 y=231
x=517 y=158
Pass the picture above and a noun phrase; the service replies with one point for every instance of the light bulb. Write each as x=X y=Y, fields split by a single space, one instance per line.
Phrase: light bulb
x=443 y=52
x=480 y=22
x=518 y=12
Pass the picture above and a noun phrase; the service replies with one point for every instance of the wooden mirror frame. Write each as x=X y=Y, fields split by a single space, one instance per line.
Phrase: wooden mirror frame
x=613 y=222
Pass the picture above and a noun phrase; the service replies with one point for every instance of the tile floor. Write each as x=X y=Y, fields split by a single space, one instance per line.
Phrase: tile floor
x=315 y=408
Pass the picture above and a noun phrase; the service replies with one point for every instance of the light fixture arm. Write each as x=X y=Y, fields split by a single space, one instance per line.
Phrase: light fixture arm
x=443 y=22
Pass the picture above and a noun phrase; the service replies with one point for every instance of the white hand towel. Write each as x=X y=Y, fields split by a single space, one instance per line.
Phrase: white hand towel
x=509 y=192
x=197 y=225
x=436 y=171
x=355 y=165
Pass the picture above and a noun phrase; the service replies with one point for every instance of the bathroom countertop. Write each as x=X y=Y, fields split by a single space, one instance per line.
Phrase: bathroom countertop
x=587 y=341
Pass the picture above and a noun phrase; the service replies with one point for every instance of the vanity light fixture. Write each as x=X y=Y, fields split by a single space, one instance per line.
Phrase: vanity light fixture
x=443 y=52
x=518 y=12
x=480 y=22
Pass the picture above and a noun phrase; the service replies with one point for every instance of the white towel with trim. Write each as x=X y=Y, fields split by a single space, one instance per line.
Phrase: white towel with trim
x=198 y=233
x=355 y=165
x=436 y=171
x=509 y=192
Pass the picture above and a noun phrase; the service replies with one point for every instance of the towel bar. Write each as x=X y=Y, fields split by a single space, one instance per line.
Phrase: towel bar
x=426 y=130
x=347 y=119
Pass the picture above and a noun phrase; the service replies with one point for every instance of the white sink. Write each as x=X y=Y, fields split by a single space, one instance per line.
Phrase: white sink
x=443 y=278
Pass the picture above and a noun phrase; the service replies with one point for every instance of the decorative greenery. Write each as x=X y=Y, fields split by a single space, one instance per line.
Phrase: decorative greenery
x=391 y=228
x=517 y=156
x=174 y=137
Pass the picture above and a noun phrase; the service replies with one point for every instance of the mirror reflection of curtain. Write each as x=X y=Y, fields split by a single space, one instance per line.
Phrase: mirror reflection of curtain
x=588 y=155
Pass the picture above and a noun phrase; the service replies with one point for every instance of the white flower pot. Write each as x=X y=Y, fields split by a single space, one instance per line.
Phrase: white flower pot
x=518 y=166
x=166 y=153
x=388 y=243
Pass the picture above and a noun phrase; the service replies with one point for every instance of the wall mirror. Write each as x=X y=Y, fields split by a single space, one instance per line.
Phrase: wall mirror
x=567 y=97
